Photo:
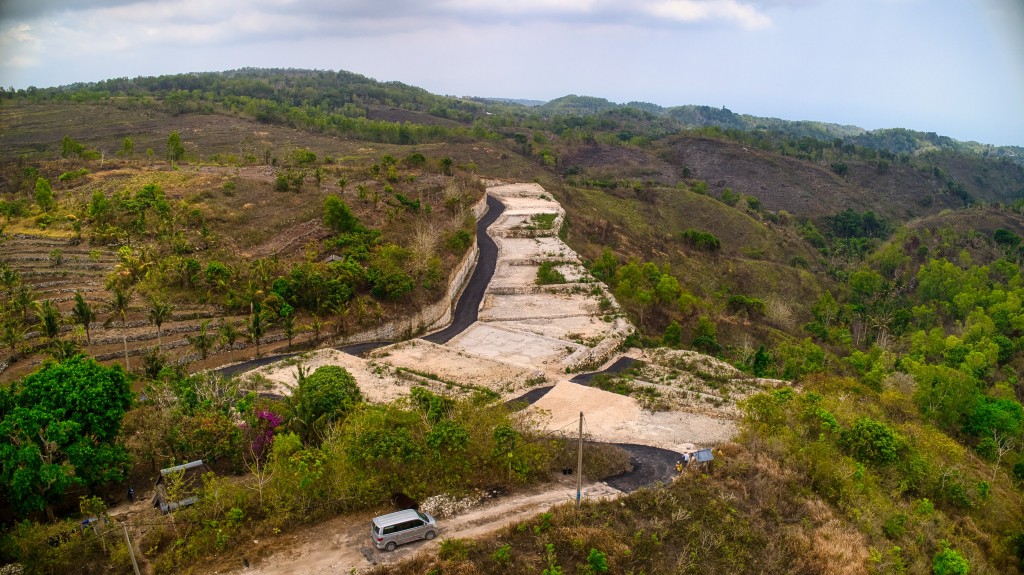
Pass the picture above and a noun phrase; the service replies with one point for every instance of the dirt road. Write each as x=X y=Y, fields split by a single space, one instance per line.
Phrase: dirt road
x=342 y=545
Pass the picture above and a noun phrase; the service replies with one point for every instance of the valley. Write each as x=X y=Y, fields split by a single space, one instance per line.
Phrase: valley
x=333 y=291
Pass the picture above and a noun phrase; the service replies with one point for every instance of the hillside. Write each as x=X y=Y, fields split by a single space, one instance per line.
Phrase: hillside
x=858 y=295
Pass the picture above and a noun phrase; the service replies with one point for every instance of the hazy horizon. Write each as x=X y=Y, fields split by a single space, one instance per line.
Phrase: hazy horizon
x=950 y=67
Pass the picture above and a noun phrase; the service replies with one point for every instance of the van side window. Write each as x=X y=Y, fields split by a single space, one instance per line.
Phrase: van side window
x=390 y=529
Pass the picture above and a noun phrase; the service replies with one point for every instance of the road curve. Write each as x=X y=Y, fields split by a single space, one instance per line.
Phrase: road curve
x=469 y=302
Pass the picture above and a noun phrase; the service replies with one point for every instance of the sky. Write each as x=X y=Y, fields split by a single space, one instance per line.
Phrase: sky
x=955 y=67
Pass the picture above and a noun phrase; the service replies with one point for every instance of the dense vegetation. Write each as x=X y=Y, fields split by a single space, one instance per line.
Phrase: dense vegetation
x=879 y=272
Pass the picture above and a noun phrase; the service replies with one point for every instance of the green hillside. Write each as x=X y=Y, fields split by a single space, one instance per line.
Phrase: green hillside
x=876 y=274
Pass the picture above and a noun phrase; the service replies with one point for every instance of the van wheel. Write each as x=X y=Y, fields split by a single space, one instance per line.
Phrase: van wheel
x=390 y=546
x=430 y=535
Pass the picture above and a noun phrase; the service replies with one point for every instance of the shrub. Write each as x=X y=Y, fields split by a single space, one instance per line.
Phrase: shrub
x=597 y=562
x=503 y=555
x=303 y=156
x=870 y=441
x=729 y=197
x=459 y=241
x=705 y=338
x=751 y=306
x=700 y=240
x=281 y=184
x=950 y=562
x=673 y=335
x=547 y=274
x=69 y=176
x=454 y=549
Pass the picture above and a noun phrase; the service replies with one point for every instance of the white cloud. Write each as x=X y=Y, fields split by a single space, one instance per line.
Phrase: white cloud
x=691 y=11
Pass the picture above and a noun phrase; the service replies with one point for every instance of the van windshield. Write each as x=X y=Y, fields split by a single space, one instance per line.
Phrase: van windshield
x=423 y=517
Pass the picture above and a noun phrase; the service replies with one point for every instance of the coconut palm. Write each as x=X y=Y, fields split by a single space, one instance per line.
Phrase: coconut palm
x=119 y=305
x=49 y=319
x=82 y=314
x=203 y=341
x=159 y=312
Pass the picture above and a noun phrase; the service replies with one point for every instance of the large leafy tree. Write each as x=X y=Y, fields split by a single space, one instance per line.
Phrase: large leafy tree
x=58 y=428
x=326 y=396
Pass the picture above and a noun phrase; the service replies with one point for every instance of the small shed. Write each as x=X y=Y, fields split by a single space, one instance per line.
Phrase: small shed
x=190 y=474
x=703 y=456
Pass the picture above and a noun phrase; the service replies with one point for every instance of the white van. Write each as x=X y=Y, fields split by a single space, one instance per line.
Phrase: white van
x=391 y=530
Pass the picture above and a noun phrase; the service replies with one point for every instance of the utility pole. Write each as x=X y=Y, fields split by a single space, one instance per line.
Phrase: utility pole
x=131 y=552
x=579 y=467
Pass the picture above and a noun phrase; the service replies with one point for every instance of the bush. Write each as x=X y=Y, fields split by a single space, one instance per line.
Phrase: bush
x=69 y=176
x=303 y=156
x=673 y=335
x=281 y=184
x=949 y=562
x=459 y=241
x=705 y=337
x=548 y=274
x=700 y=240
x=870 y=441
x=751 y=306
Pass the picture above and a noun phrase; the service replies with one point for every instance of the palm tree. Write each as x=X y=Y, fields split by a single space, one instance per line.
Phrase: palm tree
x=119 y=305
x=202 y=342
x=159 y=312
x=228 y=333
x=257 y=323
x=317 y=325
x=49 y=319
x=13 y=334
x=83 y=314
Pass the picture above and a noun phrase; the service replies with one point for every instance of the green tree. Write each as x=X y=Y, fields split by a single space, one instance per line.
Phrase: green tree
x=120 y=302
x=228 y=333
x=705 y=336
x=202 y=341
x=159 y=312
x=58 y=429
x=287 y=316
x=49 y=319
x=13 y=334
x=100 y=209
x=175 y=150
x=761 y=363
x=127 y=148
x=70 y=148
x=316 y=324
x=871 y=441
x=950 y=562
x=673 y=336
x=82 y=314
x=257 y=324
x=338 y=216
x=324 y=397
x=44 y=195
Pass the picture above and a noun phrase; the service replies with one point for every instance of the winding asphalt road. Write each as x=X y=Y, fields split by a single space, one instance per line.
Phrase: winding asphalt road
x=469 y=303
